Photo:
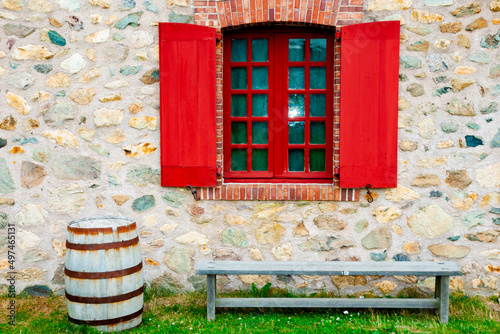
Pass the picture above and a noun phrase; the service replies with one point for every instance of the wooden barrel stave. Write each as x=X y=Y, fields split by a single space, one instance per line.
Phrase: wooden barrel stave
x=104 y=278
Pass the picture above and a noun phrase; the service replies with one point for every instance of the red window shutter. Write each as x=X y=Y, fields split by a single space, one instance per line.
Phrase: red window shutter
x=187 y=105
x=369 y=105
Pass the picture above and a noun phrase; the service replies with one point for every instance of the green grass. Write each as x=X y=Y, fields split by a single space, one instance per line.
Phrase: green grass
x=186 y=313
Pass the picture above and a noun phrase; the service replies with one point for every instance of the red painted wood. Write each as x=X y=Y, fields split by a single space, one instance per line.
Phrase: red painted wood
x=369 y=105
x=187 y=105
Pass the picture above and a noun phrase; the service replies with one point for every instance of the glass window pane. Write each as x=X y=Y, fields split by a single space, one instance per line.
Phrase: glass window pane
x=296 y=49
x=296 y=105
x=259 y=50
x=317 y=160
x=317 y=133
x=238 y=50
x=259 y=132
x=239 y=132
x=239 y=78
x=238 y=160
x=317 y=105
x=296 y=132
x=296 y=78
x=238 y=105
x=259 y=160
x=296 y=160
x=259 y=105
x=318 y=49
x=318 y=77
x=259 y=77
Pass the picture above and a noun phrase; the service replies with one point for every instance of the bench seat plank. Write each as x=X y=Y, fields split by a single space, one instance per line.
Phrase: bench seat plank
x=328 y=302
x=418 y=268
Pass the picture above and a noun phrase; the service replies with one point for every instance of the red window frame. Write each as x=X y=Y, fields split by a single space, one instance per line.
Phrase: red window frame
x=278 y=119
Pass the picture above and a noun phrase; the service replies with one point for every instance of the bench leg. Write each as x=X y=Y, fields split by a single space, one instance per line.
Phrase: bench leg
x=444 y=297
x=211 y=297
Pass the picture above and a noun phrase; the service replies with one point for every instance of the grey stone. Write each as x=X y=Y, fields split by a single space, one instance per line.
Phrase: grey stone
x=18 y=30
x=3 y=142
x=440 y=79
x=494 y=72
x=131 y=19
x=326 y=244
x=490 y=41
x=37 y=291
x=457 y=179
x=71 y=167
x=454 y=238
x=430 y=221
x=32 y=174
x=35 y=255
x=234 y=237
x=75 y=23
x=6 y=183
x=100 y=150
x=166 y=282
x=226 y=254
x=174 y=199
x=379 y=238
x=471 y=9
x=21 y=80
x=328 y=222
x=151 y=77
x=58 y=277
x=473 y=126
x=449 y=127
x=443 y=90
x=415 y=89
x=360 y=225
x=481 y=58
x=56 y=39
x=473 y=141
x=179 y=259
x=57 y=112
x=179 y=18
x=144 y=203
x=438 y=2
x=491 y=108
x=495 y=211
x=199 y=282
x=484 y=236
x=151 y=7
x=409 y=62
x=400 y=257
x=422 y=31
x=116 y=53
x=43 y=68
x=118 y=37
x=142 y=174
x=130 y=70
x=460 y=108
x=496 y=90
x=437 y=62
x=4 y=220
x=435 y=193
x=127 y=4
x=378 y=256
x=473 y=218
x=403 y=77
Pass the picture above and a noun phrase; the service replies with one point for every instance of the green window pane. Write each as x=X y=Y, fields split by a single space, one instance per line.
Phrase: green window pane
x=296 y=78
x=238 y=50
x=318 y=77
x=317 y=133
x=317 y=105
x=259 y=132
x=296 y=105
x=239 y=133
x=259 y=105
x=296 y=49
x=296 y=132
x=317 y=160
x=239 y=105
x=318 y=49
x=296 y=160
x=259 y=160
x=259 y=78
x=259 y=50
x=238 y=160
x=239 y=78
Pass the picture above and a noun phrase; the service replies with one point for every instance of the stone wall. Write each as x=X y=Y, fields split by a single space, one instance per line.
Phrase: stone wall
x=79 y=137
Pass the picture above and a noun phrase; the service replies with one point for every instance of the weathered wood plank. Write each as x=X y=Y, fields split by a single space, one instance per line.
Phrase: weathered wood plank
x=211 y=286
x=419 y=268
x=444 y=299
x=328 y=302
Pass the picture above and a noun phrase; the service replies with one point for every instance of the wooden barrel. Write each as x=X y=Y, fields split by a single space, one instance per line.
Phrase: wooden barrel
x=104 y=282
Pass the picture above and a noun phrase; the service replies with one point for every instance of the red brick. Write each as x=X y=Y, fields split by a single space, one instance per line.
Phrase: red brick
x=292 y=192
x=317 y=192
x=323 y=193
x=304 y=192
x=330 y=193
x=279 y=195
x=310 y=192
x=223 y=192
x=261 y=193
x=298 y=192
x=255 y=192
x=229 y=192
x=286 y=192
x=273 y=193
x=356 y=16
x=267 y=192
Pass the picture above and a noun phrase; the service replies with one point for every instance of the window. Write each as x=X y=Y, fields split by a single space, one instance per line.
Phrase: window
x=278 y=106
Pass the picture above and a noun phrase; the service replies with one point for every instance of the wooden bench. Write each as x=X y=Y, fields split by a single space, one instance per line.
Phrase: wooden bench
x=441 y=270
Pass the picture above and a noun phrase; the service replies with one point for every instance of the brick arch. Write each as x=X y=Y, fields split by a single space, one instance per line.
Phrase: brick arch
x=229 y=13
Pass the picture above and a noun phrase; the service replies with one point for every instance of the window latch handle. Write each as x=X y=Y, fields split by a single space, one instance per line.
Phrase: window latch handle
x=194 y=192
x=370 y=197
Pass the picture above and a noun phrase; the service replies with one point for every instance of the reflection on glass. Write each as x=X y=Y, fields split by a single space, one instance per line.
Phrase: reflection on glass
x=317 y=105
x=317 y=160
x=296 y=49
x=239 y=78
x=238 y=160
x=259 y=78
x=317 y=135
x=318 y=49
x=296 y=132
x=259 y=105
x=296 y=160
x=318 y=77
x=238 y=105
x=296 y=78
x=296 y=105
x=239 y=133
x=238 y=50
x=259 y=132
x=259 y=160
x=259 y=50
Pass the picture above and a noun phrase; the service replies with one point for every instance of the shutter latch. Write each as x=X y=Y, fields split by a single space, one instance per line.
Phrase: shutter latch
x=370 y=197
x=194 y=192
